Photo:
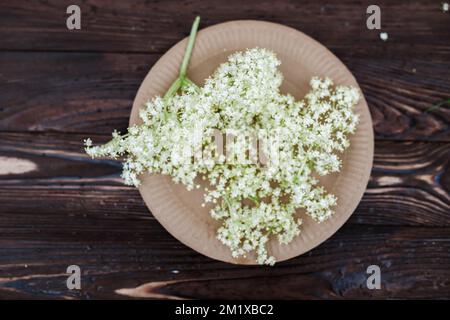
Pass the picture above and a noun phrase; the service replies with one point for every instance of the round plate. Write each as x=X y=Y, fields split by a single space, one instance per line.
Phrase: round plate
x=179 y=210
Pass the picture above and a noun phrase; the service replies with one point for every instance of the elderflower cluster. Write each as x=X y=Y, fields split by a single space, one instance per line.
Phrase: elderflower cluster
x=255 y=201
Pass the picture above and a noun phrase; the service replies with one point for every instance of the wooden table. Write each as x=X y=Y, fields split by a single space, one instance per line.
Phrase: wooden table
x=59 y=208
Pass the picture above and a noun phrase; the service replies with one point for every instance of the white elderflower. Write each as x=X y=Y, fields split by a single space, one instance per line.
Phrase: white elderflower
x=254 y=201
x=445 y=7
x=88 y=142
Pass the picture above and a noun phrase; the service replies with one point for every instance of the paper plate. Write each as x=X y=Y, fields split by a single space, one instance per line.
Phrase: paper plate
x=179 y=210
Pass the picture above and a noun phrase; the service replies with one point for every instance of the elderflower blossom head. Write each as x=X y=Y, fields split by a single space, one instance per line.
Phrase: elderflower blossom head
x=255 y=201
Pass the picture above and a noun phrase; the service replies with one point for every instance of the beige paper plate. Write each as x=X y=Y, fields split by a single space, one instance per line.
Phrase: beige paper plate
x=179 y=210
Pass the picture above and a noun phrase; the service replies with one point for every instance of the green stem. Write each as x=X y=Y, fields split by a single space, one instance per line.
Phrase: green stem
x=189 y=81
x=176 y=85
x=190 y=46
x=437 y=105
x=182 y=79
x=227 y=201
x=255 y=200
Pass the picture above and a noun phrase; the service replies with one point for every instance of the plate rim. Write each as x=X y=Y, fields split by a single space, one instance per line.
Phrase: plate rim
x=176 y=50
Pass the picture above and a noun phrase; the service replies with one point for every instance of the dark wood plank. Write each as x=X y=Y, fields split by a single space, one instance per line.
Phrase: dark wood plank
x=409 y=184
x=400 y=94
x=414 y=263
x=92 y=92
x=58 y=207
x=415 y=28
x=55 y=184
x=69 y=92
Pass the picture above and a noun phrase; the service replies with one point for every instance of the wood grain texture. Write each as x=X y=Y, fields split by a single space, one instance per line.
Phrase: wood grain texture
x=58 y=207
x=93 y=93
x=413 y=265
x=79 y=92
x=417 y=28
x=409 y=185
x=73 y=210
